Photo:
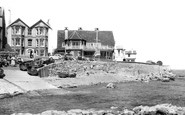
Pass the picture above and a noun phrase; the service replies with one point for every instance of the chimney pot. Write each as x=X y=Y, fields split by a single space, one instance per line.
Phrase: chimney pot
x=96 y=29
x=80 y=28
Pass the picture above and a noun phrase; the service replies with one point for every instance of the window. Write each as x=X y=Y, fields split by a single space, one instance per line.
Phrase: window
x=29 y=32
x=17 y=42
x=41 y=42
x=37 y=42
x=18 y=51
x=37 y=31
x=41 y=31
x=29 y=42
x=63 y=44
x=75 y=43
x=41 y=52
x=17 y=30
x=36 y=52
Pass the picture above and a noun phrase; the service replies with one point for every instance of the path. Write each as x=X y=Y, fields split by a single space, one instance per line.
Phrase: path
x=25 y=82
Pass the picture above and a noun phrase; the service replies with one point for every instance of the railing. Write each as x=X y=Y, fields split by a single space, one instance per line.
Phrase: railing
x=130 y=52
x=74 y=47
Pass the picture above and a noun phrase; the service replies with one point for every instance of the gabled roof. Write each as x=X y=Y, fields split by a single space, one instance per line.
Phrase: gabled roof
x=104 y=37
x=40 y=21
x=75 y=35
x=16 y=21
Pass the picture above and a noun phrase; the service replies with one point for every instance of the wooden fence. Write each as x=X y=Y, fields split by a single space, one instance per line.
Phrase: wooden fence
x=45 y=71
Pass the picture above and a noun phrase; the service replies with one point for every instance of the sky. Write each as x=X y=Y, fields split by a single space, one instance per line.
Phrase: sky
x=154 y=28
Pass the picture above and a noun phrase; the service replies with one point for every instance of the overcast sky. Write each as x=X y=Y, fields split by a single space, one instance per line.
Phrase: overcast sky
x=154 y=28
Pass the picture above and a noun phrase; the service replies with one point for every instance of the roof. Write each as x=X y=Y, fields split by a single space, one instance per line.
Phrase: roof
x=75 y=35
x=40 y=21
x=105 y=37
x=16 y=21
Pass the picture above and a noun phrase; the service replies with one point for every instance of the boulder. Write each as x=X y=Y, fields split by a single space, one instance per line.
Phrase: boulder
x=165 y=79
x=111 y=85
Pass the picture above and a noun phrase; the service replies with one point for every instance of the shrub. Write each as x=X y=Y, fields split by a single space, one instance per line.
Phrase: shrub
x=159 y=62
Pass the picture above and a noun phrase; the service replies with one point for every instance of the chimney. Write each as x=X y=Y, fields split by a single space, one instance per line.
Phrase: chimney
x=10 y=21
x=66 y=33
x=96 y=30
x=80 y=28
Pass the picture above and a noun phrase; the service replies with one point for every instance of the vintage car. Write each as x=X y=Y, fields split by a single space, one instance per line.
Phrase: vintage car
x=27 y=63
x=24 y=64
x=2 y=75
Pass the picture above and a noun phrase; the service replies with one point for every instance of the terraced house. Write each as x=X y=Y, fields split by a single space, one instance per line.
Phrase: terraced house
x=29 y=39
x=86 y=43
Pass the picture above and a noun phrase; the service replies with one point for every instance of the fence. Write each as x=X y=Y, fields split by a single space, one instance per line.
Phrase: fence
x=45 y=71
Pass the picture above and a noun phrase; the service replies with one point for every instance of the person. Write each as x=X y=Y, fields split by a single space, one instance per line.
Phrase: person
x=13 y=61
x=9 y=60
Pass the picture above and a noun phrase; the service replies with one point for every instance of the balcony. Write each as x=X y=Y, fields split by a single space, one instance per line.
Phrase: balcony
x=131 y=52
x=74 y=47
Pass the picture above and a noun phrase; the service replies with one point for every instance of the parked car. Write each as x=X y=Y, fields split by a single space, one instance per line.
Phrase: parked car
x=69 y=57
x=28 y=63
x=56 y=56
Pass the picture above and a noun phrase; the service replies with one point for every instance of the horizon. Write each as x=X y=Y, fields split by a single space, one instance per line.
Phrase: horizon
x=155 y=29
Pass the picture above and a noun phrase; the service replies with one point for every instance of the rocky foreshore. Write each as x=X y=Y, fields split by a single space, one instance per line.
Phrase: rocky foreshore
x=106 y=72
x=161 y=109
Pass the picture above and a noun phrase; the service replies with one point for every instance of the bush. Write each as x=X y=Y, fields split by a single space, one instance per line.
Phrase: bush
x=159 y=62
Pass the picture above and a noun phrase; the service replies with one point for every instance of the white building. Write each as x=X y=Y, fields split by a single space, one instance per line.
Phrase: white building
x=122 y=54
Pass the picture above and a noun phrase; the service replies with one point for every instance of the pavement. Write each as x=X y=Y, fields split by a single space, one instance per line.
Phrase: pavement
x=16 y=80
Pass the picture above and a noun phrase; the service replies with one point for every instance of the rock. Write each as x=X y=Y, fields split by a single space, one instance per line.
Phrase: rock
x=113 y=107
x=165 y=79
x=111 y=85
x=128 y=112
x=53 y=112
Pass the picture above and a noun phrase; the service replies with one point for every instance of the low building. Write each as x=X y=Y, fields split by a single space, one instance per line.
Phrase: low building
x=86 y=43
x=130 y=56
x=121 y=54
x=28 y=40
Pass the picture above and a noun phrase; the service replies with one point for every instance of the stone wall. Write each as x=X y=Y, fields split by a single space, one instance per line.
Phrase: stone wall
x=162 y=109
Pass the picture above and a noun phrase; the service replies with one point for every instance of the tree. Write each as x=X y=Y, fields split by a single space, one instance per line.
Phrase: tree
x=159 y=62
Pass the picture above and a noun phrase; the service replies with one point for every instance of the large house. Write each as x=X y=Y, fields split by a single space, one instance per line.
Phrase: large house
x=3 y=39
x=29 y=39
x=86 y=43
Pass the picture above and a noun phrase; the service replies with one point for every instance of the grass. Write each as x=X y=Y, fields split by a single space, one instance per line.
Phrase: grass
x=127 y=95
x=179 y=73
